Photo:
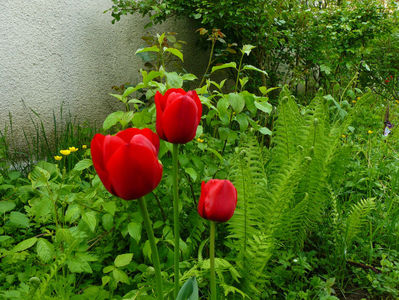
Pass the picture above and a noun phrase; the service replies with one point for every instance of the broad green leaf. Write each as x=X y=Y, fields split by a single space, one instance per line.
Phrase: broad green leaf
x=189 y=290
x=246 y=49
x=175 y=52
x=108 y=221
x=112 y=119
x=236 y=101
x=134 y=229
x=132 y=89
x=110 y=207
x=325 y=69
x=108 y=269
x=19 y=219
x=26 y=244
x=6 y=206
x=266 y=107
x=265 y=131
x=72 y=213
x=105 y=280
x=119 y=97
x=83 y=164
x=193 y=174
x=90 y=219
x=253 y=68
x=174 y=80
x=39 y=177
x=45 y=250
x=123 y=260
x=120 y=276
x=161 y=38
x=242 y=119
x=147 y=78
x=266 y=91
x=4 y=238
x=224 y=66
x=135 y=101
x=189 y=77
x=78 y=264
x=148 y=49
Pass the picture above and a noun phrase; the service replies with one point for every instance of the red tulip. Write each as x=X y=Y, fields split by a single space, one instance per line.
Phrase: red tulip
x=127 y=163
x=218 y=200
x=178 y=115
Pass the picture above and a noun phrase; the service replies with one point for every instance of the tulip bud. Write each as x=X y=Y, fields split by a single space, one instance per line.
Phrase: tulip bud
x=218 y=200
x=178 y=115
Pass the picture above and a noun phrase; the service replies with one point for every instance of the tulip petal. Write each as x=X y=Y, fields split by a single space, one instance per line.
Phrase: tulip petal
x=129 y=133
x=201 y=202
x=134 y=170
x=159 y=105
x=194 y=96
x=179 y=120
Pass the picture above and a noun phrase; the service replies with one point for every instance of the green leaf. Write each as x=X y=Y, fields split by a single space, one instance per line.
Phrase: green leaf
x=161 y=38
x=147 y=49
x=266 y=107
x=242 y=119
x=123 y=259
x=246 y=49
x=325 y=69
x=120 y=276
x=134 y=229
x=112 y=119
x=175 y=52
x=90 y=219
x=110 y=207
x=6 y=206
x=108 y=221
x=265 y=131
x=83 y=164
x=189 y=290
x=193 y=174
x=45 y=250
x=39 y=177
x=132 y=89
x=119 y=97
x=26 y=244
x=236 y=101
x=224 y=66
x=189 y=77
x=108 y=269
x=253 y=68
x=174 y=80
x=72 y=213
x=19 y=219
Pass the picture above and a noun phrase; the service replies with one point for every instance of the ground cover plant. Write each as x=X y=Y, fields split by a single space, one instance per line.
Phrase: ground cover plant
x=212 y=189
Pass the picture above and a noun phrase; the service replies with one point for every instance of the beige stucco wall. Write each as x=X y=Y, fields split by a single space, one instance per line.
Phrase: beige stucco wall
x=54 y=51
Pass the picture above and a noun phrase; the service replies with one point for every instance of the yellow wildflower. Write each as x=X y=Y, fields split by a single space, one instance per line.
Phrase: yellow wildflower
x=370 y=132
x=397 y=101
x=65 y=152
x=343 y=136
x=358 y=98
x=200 y=140
x=354 y=101
x=73 y=149
x=57 y=157
x=84 y=147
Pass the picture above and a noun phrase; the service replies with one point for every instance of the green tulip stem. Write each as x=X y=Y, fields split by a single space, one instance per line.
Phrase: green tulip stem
x=212 y=259
x=154 y=250
x=176 y=217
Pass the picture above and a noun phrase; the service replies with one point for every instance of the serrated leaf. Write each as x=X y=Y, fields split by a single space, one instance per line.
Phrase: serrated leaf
x=72 y=213
x=147 y=49
x=19 y=219
x=83 y=164
x=123 y=260
x=134 y=229
x=6 y=206
x=90 y=219
x=39 y=177
x=253 y=68
x=224 y=66
x=45 y=250
x=26 y=244
x=175 y=52
x=189 y=290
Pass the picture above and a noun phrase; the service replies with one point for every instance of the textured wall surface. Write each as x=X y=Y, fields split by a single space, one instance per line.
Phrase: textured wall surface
x=67 y=51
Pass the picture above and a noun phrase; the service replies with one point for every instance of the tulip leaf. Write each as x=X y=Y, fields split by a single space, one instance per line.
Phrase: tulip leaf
x=134 y=229
x=224 y=66
x=236 y=101
x=123 y=260
x=189 y=290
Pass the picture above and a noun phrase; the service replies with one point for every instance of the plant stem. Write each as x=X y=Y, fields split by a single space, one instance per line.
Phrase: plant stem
x=238 y=73
x=212 y=259
x=154 y=250
x=176 y=217
x=209 y=63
